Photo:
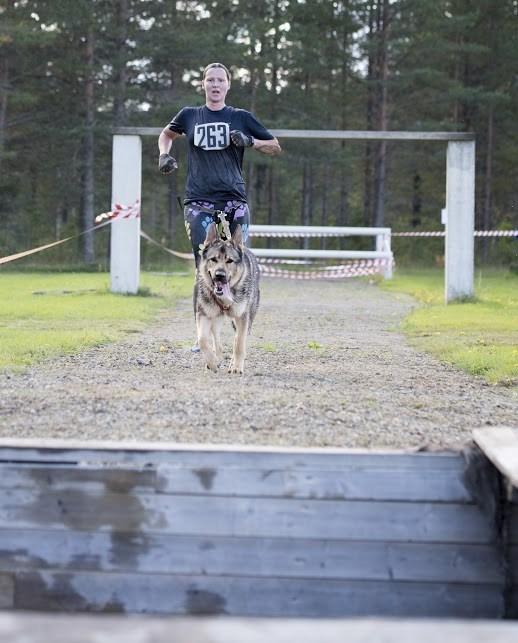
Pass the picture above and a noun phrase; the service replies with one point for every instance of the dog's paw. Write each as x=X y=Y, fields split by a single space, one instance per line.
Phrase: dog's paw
x=212 y=366
x=235 y=369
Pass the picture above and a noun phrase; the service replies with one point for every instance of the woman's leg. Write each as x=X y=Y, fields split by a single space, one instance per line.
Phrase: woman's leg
x=196 y=223
x=239 y=215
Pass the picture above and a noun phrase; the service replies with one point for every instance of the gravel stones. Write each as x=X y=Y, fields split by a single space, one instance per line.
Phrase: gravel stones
x=326 y=366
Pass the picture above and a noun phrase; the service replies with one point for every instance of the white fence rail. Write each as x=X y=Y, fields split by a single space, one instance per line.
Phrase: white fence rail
x=383 y=243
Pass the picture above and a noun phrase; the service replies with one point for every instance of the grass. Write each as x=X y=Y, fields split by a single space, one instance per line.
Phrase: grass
x=43 y=314
x=480 y=336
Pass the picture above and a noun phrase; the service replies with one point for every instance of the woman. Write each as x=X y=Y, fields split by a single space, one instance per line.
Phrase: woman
x=217 y=135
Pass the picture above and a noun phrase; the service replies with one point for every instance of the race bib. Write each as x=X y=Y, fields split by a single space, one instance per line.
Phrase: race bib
x=212 y=136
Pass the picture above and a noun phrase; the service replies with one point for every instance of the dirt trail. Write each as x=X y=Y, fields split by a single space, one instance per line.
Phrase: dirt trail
x=326 y=367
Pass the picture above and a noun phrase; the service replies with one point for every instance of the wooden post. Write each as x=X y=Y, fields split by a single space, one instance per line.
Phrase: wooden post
x=383 y=245
x=125 y=233
x=460 y=220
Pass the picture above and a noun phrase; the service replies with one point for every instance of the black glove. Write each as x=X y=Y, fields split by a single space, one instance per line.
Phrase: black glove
x=241 y=140
x=167 y=164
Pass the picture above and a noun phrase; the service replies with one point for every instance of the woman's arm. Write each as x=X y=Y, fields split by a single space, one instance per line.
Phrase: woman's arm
x=166 y=139
x=270 y=147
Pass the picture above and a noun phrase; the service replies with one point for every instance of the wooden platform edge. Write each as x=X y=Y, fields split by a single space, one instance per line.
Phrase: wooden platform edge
x=107 y=445
x=37 y=628
x=500 y=445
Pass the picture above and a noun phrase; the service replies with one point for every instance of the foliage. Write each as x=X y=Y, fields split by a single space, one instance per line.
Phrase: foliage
x=59 y=313
x=411 y=64
x=480 y=337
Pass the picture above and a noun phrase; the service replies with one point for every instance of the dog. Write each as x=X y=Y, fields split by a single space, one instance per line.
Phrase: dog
x=227 y=285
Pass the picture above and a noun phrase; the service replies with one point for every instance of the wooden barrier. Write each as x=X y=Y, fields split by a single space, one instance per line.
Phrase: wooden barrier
x=500 y=445
x=166 y=529
x=32 y=628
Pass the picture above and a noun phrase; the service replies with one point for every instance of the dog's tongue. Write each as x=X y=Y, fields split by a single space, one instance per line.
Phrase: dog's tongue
x=223 y=292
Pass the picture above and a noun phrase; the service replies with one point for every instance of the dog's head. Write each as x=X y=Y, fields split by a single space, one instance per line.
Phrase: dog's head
x=222 y=262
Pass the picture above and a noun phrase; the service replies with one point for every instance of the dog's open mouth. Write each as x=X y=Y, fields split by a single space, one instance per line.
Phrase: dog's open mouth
x=222 y=291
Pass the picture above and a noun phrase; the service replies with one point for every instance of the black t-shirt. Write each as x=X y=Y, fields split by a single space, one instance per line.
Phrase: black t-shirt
x=214 y=162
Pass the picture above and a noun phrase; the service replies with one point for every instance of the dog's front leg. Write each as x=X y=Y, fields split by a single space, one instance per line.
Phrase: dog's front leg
x=216 y=333
x=238 y=358
x=204 y=325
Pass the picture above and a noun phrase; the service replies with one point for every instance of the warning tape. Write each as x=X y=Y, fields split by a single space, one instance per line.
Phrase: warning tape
x=26 y=253
x=430 y=233
x=361 y=268
x=118 y=211
x=442 y=233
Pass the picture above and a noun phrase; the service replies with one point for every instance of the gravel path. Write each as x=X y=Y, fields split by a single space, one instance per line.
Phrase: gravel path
x=326 y=367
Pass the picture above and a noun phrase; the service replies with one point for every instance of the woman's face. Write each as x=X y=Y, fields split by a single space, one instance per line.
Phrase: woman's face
x=216 y=85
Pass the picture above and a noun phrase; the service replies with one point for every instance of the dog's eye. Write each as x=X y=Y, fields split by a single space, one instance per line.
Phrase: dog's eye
x=214 y=259
x=229 y=261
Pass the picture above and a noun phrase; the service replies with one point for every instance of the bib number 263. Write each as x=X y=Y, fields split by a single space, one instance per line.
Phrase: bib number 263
x=212 y=136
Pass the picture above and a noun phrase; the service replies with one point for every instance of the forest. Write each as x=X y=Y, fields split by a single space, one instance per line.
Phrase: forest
x=71 y=71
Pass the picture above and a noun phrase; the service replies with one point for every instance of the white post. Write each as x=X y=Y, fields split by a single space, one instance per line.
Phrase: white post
x=125 y=233
x=460 y=220
x=383 y=245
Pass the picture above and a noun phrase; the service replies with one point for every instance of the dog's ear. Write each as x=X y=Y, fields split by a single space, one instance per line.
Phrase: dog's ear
x=237 y=237
x=212 y=234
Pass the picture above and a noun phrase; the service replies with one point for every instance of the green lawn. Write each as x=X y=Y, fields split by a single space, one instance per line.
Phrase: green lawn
x=479 y=336
x=47 y=314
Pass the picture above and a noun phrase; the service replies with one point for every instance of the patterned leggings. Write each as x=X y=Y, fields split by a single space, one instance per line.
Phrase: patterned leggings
x=197 y=220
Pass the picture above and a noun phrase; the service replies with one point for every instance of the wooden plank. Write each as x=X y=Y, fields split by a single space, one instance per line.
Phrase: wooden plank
x=6 y=591
x=512 y=534
x=164 y=594
x=333 y=134
x=347 y=482
x=256 y=517
x=144 y=453
x=63 y=628
x=26 y=550
x=500 y=445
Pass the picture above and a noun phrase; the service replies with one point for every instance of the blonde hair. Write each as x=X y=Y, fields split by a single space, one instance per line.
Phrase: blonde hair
x=217 y=66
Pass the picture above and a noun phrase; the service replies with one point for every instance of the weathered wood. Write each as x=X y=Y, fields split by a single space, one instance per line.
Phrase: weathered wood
x=346 y=482
x=164 y=594
x=265 y=517
x=61 y=628
x=6 y=591
x=332 y=134
x=500 y=445
x=26 y=550
x=65 y=451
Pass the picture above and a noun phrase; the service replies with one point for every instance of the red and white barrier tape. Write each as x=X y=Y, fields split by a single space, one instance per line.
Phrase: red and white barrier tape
x=442 y=233
x=430 y=233
x=119 y=211
x=26 y=253
x=361 y=268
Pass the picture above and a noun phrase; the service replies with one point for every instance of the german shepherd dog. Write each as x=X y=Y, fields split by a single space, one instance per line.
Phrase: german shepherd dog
x=227 y=285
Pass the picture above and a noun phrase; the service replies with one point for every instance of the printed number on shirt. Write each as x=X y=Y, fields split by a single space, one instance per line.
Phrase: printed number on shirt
x=212 y=136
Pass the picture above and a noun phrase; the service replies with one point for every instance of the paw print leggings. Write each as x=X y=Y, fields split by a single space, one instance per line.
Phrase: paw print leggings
x=197 y=220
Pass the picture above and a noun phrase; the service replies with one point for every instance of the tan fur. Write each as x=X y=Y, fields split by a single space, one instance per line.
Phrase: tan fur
x=225 y=262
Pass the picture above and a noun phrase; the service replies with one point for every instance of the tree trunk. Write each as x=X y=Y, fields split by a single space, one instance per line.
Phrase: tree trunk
x=174 y=207
x=275 y=64
x=381 y=163
x=4 y=84
x=87 y=210
x=343 y=208
x=121 y=73
x=367 y=176
x=327 y=179
x=307 y=198
x=488 y=183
